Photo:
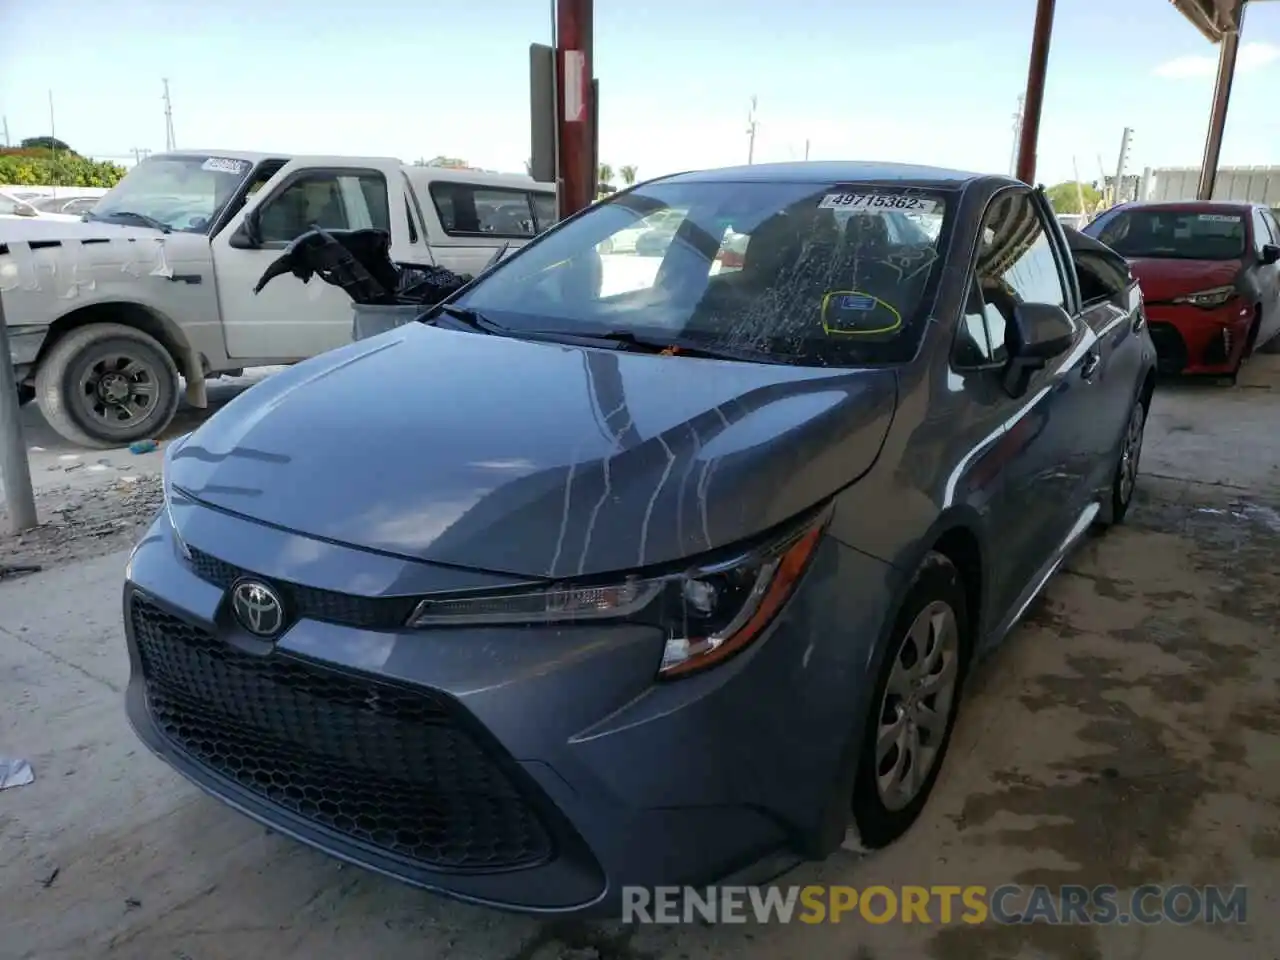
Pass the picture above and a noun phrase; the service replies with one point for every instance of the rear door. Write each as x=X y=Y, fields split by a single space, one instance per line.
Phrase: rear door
x=1111 y=304
x=289 y=320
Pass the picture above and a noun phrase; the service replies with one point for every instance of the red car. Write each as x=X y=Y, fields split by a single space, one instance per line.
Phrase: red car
x=1209 y=274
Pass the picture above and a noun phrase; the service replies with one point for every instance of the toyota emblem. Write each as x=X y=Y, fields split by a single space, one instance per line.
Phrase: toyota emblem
x=257 y=608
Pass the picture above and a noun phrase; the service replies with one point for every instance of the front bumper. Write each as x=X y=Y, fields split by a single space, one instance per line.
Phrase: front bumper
x=1193 y=340
x=536 y=769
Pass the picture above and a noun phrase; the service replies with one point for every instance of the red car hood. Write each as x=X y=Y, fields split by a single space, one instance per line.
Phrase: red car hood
x=1163 y=279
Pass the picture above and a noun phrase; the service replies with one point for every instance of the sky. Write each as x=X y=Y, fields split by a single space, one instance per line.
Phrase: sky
x=927 y=81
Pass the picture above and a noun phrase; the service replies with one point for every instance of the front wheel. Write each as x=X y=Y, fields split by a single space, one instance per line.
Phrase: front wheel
x=914 y=705
x=107 y=385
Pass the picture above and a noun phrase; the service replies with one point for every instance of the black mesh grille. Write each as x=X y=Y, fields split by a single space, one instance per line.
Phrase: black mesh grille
x=384 y=765
x=1171 y=351
x=368 y=613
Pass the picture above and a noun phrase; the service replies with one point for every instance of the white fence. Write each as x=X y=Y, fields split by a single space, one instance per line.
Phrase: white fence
x=1247 y=184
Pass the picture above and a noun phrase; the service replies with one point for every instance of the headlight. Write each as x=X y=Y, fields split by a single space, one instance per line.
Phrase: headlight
x=1214 y=297
x=170 y=494
x=709 y=612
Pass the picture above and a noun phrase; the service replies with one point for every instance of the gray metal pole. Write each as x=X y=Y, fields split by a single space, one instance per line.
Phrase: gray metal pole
x=1227 y=49
x=15 y=469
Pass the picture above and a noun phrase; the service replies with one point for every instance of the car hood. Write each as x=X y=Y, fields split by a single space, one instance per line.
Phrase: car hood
x=1165 y=278
x=71 y=228
x=535 y=459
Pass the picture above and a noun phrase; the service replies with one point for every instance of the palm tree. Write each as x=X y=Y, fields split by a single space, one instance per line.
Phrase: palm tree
x=606 y=173
x=628 y=174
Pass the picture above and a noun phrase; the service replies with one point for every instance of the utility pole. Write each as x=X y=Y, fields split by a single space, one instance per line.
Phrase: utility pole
x=1110 y=200
x=52 y=130
x=170 y=143
x=1017 y=135
x=6 y=133
x=1037 y=67
x=806 y=151
x=1124 y=156
x=751 y=132
x=1075 y=168
x=15 y=468
x=578 y=175
x=140 y=154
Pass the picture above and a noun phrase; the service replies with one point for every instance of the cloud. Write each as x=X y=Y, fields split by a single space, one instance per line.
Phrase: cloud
x=1252 y=56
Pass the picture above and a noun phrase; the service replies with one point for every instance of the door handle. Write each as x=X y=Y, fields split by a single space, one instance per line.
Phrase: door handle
x=1090 y=365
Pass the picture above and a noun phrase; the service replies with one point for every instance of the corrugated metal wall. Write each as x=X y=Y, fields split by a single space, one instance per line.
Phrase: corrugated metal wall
x=1254 y=184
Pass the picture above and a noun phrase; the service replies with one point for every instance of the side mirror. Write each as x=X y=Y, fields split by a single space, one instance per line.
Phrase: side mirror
x=1041 y=332
x=25 y=210
x=248 y=236
x=1270 y=254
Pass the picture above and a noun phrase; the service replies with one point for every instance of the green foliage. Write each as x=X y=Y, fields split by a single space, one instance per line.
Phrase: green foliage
x=628 y=174
x=40 y=167
x=606 y=173
x=46 y=143
x=1065 y=198
x=451 y=163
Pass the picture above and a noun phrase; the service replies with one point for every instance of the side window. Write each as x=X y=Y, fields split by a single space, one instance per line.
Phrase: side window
x=1261 y=232
x=326 y=199
x=544 y=210
x=408 y=216
x=470 y=210
x=1101 y=276
x=1272 y=225
x=1016 y=260
x=973 y=345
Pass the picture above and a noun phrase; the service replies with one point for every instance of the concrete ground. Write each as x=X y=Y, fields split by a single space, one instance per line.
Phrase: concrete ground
x=1127 y=733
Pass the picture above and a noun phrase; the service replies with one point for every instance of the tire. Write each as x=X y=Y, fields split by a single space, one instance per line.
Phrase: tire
x=69 y=379
x=881 y=815
x=1125 y=479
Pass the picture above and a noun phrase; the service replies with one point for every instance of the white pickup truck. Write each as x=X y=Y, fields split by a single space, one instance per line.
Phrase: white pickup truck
x=157 y=282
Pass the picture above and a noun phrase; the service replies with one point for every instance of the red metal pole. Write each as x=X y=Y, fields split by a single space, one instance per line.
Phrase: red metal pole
x=577 y=179
x=1036 y=71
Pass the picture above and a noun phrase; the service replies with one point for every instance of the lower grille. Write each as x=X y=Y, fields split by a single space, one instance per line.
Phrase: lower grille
x=384 y=765
x=1171 y=350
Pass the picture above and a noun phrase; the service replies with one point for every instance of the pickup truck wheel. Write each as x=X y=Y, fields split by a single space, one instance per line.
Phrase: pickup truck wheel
x=107 y=385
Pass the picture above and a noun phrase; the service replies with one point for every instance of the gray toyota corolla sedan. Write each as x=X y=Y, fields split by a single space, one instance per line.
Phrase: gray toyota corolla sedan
x=644 y=569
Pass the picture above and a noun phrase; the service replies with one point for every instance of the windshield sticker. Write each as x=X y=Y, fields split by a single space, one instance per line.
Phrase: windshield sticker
x=1217 y=218
x=854 y=313
x=877 y=201
x=225 y=165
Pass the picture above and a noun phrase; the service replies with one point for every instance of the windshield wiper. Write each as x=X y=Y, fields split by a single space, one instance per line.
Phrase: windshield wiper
x=626 y=340
x=475 y=320
x=131 y=215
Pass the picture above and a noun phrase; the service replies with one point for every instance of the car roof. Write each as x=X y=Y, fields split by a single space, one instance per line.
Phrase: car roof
x=1223 y=206
x=834 y=171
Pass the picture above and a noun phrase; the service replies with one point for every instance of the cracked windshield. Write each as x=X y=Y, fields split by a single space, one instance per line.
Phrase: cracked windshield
x=823 y=275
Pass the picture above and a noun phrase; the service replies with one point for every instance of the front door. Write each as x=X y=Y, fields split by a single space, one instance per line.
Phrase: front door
x=1049 y=431
x=1267 y=230
x=289 y=320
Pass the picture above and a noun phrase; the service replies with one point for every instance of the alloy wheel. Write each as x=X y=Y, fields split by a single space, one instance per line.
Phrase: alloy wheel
x=1132 y=452
x=917 y=705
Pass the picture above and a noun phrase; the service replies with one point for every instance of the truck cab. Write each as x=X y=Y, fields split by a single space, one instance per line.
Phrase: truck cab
x=157 y=282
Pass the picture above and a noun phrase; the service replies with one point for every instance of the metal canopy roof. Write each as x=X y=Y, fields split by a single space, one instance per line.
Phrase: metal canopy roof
x=1213 y=18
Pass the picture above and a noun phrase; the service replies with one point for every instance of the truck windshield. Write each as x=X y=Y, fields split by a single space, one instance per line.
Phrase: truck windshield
x=833 y=274
x=183 y=193
x=1175 y=234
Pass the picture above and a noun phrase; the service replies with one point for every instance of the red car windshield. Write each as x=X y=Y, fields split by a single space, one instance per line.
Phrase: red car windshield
x=1174 y=234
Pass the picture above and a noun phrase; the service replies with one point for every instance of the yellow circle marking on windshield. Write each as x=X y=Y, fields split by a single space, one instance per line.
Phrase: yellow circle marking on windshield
x=877 y=331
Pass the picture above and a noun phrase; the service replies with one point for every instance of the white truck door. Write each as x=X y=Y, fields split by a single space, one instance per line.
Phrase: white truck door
x=290 y=320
